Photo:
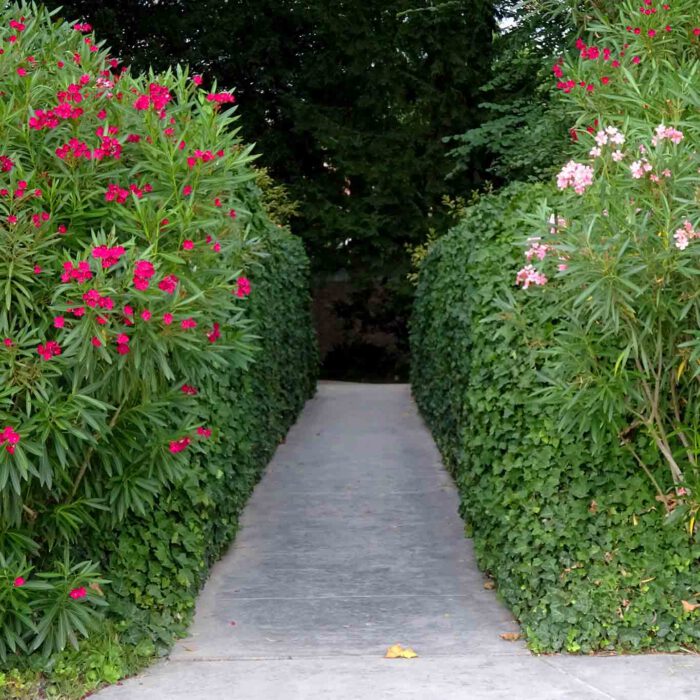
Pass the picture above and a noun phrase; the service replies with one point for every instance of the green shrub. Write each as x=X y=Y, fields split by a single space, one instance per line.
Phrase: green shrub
x=576 y=541
x=157 y=563
x=133 y=424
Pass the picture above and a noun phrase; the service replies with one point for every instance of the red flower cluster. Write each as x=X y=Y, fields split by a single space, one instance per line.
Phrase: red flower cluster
x=9 y=438
x=49 y=350
x=109 y=256
x=221 y=98
x=168 y=284
x=242 y=287
x=95 y=300
x=214 y=334
x=201 y=156
x=179 y=445
x=76 y=273
x=143 y=271
x=120 y=195
x=158 y=97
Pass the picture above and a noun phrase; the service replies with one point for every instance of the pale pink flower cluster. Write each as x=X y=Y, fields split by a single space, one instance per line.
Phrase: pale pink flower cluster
x=537 y=250
x=684 y=235
x=609 y=136
x=575 y=175
x=529 y=275
x=640 y=168
x=667 y=132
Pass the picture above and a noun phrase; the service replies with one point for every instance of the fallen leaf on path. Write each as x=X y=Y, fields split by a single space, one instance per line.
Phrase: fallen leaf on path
x=489 y=585
x=398 y=652
x=510 y=636
x=689 y=607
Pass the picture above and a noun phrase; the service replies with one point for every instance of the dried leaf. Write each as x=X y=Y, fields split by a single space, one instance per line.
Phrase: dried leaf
x=510 y=636
x=398 y=652
x=689 y=607
x=593 y=507
x=489 y=585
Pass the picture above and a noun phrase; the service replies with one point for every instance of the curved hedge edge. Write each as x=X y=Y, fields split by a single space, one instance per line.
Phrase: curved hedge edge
x=159 y=563
x=576 y=545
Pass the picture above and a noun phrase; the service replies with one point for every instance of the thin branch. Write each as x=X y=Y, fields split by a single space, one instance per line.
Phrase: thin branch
x=89 y=453
x=679 y=422
x=662 y=496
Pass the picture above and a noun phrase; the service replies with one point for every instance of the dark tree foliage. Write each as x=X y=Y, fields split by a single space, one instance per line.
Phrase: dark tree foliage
x=522 y=123
x=348 y=101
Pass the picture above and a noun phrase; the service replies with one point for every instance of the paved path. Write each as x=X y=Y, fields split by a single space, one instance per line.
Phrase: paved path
x=352 y=543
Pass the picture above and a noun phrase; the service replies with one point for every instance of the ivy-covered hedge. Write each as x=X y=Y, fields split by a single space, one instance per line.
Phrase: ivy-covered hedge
x=158 y=563
x=577 y=545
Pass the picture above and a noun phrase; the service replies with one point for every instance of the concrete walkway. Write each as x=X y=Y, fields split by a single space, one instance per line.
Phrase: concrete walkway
x=351 y=543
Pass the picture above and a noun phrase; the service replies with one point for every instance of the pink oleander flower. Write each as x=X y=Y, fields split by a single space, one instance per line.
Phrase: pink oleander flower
x=204 y=432
x=179 y=445
x=618 y=156
x=143 y=271
x=168 y=284
x=188 y=323
x=640 y=168
x=242 y=287
x=537 y=250
x=220 y=98
x=663 y=132
x=214 y=334
x=49 y=350
x=96 y=341
x=167 y=319
x=684 y=235
x=188 y=245
x=78 y=593
x=59 y=322
x=146 y=315
x=19 y=582
x=109 y=256
x=7 y=342
x=9 y=438
x=197 y=79
x=529 y=275
x=575 y=175
x=189 y=390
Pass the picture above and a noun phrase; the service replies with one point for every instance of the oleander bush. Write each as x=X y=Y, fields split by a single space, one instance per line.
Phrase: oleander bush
x=568 y=410
x=156 y=338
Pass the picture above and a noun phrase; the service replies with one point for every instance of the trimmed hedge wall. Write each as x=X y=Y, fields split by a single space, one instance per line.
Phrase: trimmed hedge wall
x=576 y=545
x=158 y=563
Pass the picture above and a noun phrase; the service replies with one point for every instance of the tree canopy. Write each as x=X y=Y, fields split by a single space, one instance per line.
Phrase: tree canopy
x=348 y=101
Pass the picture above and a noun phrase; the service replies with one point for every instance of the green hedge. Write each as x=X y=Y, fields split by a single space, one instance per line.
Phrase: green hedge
x=157 y=564
x=576 y=545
